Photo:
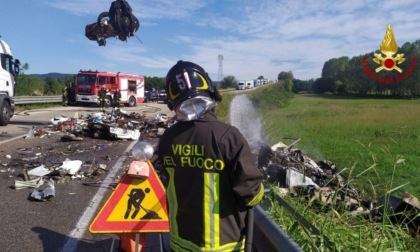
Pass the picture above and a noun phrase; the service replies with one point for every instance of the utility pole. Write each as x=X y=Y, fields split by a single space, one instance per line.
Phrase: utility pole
x=220 y=58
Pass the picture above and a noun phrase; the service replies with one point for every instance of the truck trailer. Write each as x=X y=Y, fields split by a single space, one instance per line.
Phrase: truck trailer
x=245 y=84
x=8 y=71
x=241 y=85
x=249 y=84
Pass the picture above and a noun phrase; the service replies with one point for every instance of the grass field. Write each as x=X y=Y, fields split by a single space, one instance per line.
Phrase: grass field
x=374 y=141
x=369 y=135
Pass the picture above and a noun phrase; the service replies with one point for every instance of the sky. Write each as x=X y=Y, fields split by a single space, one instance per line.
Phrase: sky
x=254 y=37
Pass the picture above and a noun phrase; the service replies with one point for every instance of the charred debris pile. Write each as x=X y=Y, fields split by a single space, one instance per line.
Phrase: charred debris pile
x=320 y=183
x=118 y=124
x=76 y=148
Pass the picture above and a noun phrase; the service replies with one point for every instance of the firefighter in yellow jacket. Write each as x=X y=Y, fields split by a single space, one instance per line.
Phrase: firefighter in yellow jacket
x=116 y=98
x=212 y=177
x=65 y=97
x=102 y=98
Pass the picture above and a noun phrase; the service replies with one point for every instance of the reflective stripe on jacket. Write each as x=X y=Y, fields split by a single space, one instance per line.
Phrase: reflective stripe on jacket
x=102 y=94
x=212 y=179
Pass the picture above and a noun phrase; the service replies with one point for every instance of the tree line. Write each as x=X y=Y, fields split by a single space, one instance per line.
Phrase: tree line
x=364 y=76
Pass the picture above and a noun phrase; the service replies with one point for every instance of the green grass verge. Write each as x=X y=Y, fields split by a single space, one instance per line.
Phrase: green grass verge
x=362 y=133
x=345 y=231
x=374 y=141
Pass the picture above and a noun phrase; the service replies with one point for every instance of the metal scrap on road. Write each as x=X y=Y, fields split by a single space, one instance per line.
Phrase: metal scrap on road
x=65 y=137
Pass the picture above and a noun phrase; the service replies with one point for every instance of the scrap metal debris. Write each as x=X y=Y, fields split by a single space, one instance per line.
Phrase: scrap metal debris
x=76 y=148
x=70 y=167
x=45 y=194
x=34 y=183
x=119 y=22
x=323 y=185
x=118 y=124
x=39 y=171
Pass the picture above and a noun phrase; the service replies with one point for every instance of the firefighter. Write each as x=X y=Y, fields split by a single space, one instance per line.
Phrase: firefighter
x=71 y=95
x=154 y=95
x=212 y=177
x=102 y=97
x=65 y=97
x=116 y=99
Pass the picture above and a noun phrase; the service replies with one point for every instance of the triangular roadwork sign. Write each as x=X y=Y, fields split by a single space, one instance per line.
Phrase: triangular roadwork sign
x=137 y=205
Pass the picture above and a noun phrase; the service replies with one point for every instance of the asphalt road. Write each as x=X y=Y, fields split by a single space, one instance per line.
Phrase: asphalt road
x=61 y=223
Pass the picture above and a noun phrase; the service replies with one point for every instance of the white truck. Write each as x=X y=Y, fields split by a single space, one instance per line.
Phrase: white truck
x=8 y=71
x=249 y=84
x=245 y=84
x=241 y=85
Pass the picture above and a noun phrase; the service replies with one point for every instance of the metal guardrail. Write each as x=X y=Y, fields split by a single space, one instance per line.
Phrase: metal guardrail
x=305 y=223
x=268 y=236
x=20 y=100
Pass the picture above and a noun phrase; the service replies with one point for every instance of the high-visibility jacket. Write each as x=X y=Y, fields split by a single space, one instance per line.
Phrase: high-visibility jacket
x=117 y=96
x=212 y=179
x=65 y=94
x=102 y=94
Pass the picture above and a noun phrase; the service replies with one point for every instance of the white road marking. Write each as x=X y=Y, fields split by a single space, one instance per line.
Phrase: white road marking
x=82 y=226
x=11 y=139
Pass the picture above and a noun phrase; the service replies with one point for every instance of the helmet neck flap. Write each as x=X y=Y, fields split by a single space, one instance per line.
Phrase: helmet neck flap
x=194 y=108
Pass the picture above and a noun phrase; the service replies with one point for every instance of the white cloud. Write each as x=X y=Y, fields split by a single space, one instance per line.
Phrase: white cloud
x=79 y=7
x=309 y=32
x=261 y=37
x=154 y=9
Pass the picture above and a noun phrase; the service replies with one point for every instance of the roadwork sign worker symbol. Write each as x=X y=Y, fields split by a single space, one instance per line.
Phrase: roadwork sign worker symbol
x=136 y=205
x=135 y=198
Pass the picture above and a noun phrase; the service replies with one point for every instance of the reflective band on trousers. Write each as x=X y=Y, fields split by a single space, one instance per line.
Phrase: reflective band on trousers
x=211 y=218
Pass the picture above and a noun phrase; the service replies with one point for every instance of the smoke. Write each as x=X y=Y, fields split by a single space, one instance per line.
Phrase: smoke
x=244 y=117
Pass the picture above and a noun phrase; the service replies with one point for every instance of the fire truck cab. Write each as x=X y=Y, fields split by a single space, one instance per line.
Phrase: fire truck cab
x=88 y=83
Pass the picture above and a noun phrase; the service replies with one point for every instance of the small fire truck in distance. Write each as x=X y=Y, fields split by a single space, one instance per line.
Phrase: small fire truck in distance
x=88 y=84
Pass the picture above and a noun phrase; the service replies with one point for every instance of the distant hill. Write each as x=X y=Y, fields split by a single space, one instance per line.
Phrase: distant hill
x=59 y=76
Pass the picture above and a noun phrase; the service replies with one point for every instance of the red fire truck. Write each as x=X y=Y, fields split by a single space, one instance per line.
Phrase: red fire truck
x=88 y=84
